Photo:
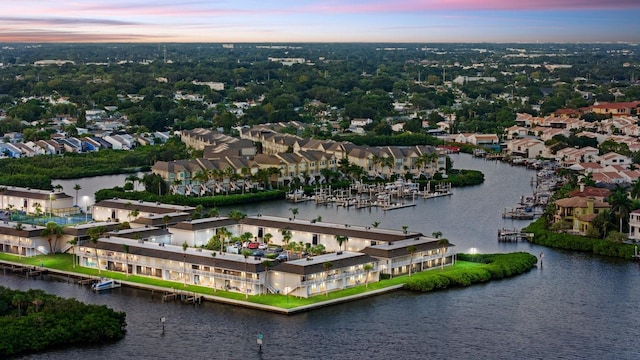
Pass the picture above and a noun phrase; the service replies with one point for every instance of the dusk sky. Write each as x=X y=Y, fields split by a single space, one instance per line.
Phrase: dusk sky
x=422 y=21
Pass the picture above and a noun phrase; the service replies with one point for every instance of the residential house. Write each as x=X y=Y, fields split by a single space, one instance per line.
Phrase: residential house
x=579 y=211
x=527 y=148
x=612 y=158
x=634 y=226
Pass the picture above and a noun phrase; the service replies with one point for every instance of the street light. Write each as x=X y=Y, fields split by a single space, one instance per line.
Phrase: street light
x=85 y=201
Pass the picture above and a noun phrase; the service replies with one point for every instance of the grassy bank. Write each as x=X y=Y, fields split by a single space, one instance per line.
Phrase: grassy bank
x=485 y=267
x=572 y=242
x=470 y=269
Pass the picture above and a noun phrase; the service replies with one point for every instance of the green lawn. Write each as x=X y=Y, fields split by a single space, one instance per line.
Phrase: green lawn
x=65 y=262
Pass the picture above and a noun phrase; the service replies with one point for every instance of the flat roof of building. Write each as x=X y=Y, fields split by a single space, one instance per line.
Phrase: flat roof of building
x=313 y=226
x=177 y=253
x=315 y=264
x=143 y=206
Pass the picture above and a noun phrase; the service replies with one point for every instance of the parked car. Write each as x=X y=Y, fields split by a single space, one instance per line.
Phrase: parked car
x=282 y=257
x=253 y=245
x=258 y=253
x=278 y=249
x=262 y=246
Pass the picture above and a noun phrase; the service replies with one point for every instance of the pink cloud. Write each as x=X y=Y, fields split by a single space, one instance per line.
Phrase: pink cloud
x=471 y=5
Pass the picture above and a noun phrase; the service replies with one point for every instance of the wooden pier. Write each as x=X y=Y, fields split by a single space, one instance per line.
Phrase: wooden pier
x=513 y=235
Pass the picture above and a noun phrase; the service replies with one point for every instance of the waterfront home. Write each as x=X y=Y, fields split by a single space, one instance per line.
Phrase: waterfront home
x=119 y=209
x=323 y=273
x=196 y=266
x=419 y=253
x=22 y=239
x=527 y=148
x=579 y=212
x=35 y=201
x=634 y=226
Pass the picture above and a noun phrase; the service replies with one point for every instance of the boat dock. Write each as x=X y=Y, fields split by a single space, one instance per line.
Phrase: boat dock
x=520 y=213
x=389 y=196
x=513 y=235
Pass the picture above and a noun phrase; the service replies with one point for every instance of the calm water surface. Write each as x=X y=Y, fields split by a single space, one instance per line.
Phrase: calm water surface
x=576 y=307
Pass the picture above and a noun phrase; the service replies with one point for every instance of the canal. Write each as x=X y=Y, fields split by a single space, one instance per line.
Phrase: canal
x=576 y=307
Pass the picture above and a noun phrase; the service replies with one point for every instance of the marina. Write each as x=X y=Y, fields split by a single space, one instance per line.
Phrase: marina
x=386 y=196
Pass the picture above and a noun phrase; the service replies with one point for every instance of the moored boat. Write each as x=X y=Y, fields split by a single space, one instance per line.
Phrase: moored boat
x=105 y=284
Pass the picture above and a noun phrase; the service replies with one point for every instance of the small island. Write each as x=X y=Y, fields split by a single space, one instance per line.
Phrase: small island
x=35 y=321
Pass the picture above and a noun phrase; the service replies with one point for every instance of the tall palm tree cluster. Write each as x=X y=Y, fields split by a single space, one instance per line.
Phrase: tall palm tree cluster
x=225 y=181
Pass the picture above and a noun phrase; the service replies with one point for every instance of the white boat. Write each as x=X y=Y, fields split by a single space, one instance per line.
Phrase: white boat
x=105 y=284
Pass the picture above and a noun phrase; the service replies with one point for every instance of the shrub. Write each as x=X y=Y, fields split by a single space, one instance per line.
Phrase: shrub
x=496 y=266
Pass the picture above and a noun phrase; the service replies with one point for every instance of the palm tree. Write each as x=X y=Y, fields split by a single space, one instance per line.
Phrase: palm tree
x=246 y=254
x=267 y=238
x=635 y=189
x=125 y=248
x=38 y=209
x=77 y=188
x=411 y=250
x=387 y=162
x=10 y=208
x=184 y=262
x=286 y=236
x=17 y=300
x=294 y=212
x=133 y=179
x=444 y=243
x=94 y=235
x=620 y=204
x=292 y=248
x=165 y=220
x=53 y=230
x=436 y=234
x=236 y=215
x=375 y=224
x=214 y=212
x=327 y=265
x=245 y=175
x=73 y=242
x=404 y=228
x=134 y=213
x=223 y=233
x=367 y=268
x=341 y=239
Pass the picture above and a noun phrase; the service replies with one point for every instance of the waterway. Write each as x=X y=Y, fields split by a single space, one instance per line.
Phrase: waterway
x=576 y=306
